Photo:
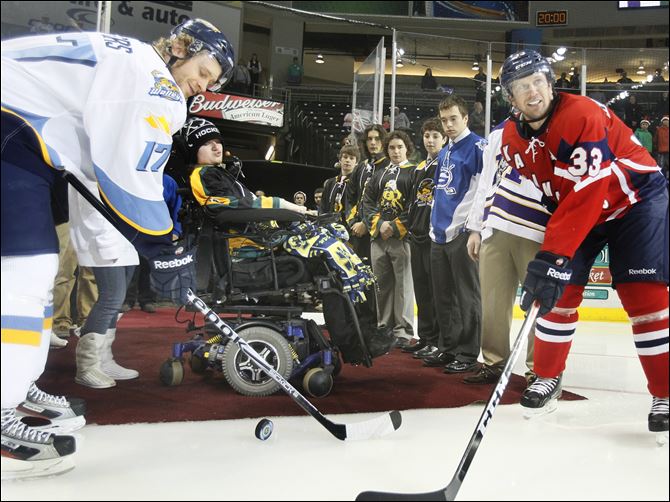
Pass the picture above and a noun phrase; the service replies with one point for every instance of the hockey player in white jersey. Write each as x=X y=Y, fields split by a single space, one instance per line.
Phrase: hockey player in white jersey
x=102 y=107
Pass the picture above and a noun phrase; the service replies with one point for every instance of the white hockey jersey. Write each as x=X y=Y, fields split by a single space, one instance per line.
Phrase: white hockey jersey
x=104 y=107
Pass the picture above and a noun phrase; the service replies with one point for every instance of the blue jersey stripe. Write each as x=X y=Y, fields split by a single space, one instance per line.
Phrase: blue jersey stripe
x=23 y=323
x=147 y=216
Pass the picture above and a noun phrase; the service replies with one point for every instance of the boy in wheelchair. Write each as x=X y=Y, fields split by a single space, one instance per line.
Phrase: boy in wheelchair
x=311 y=256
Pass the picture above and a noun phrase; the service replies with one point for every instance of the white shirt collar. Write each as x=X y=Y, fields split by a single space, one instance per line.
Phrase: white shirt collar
x=465 y=133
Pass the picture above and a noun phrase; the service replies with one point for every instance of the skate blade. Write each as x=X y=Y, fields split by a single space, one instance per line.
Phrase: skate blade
x=13 y=469
x=531 y=413
x=662 y=438
x=62 y=426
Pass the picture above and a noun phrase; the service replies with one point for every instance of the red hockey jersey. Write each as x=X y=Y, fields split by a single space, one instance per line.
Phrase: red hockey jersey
x=587 y=161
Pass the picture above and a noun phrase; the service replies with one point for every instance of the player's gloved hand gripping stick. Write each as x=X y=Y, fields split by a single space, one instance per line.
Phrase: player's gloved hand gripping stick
x=545 y=281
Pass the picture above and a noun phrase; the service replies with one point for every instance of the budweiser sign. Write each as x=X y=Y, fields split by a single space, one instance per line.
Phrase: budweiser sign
x=238 y=108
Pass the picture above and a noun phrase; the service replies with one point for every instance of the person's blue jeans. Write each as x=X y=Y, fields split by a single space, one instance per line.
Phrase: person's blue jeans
x=112 y=285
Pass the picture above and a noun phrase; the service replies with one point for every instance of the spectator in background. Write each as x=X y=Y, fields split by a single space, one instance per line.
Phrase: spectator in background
x=624 y=79
x=334 y=189
x=299 y=198
x=255 y=69
x=575 y=80
x=384 y=212
x=506 y=225
x=661 y=146
x=661 y=107
x=295 y=72
x=375 y=160
x=428 y=82
x=480 y=85
x=400 y=119
x=642 y=133
x=632 y=112
x=455 y=276
x=563 y=82
x=318 y=195
x=423 y=186
x=658 y=77
x=139 y=290
x=240 y=79
x=87 y=292
x=348 y=120
x=386 y=123
x=260 y=193
x=477 y=119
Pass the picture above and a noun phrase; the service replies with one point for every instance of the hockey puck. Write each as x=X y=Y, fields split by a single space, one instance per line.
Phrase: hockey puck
x=264 y=429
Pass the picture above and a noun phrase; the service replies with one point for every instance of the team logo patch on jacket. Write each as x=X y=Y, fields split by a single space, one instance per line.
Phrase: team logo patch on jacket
x=391 y=197
x=164 y=87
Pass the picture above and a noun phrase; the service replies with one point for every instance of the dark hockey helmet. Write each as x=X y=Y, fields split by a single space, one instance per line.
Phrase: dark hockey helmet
x=206 y=37
x=522 y=64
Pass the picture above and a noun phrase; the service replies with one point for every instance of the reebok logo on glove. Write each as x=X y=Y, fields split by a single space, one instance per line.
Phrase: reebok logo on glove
x=561 y=276
x=177 y=262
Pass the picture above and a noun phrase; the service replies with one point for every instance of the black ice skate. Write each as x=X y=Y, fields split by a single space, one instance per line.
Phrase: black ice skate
x=658 y=419
x=541 y=396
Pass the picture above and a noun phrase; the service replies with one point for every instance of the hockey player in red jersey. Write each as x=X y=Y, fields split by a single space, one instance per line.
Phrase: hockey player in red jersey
x=606 y=189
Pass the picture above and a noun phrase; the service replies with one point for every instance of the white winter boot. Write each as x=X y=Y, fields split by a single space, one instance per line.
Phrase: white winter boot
x=108 y=365
x=88 y=360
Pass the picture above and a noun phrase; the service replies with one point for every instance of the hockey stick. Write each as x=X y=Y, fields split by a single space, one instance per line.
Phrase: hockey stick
x=92 y=199
x=376 y=427
x=451 y=490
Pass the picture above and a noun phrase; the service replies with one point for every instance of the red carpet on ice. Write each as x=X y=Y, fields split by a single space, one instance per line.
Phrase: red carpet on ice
x=144 y=341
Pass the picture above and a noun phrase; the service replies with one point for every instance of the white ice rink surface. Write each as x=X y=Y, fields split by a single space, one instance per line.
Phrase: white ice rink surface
x=598 y=449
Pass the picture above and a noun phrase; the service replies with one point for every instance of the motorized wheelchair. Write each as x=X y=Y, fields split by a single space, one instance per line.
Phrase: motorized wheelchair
x=263 y=294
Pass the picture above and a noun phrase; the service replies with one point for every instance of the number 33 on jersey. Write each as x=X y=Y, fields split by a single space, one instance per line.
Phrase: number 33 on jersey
x=587 y=161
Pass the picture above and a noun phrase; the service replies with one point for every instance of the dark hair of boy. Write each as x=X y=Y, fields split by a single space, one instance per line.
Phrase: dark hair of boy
x=454 y=100
x=350 y=150
x=432 y=124
x=372 y=127
x=401 y=135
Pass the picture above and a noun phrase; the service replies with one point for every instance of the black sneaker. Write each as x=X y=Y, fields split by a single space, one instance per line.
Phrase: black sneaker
x=428 y=350
x=486 y=374
x=457 y=366
x=438 y=359
x=401 y=342
x=415 y=347
x=541 y=396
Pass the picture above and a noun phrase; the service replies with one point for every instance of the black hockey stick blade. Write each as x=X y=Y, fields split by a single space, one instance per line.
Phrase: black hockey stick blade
x=451 y=490
x=375 y=427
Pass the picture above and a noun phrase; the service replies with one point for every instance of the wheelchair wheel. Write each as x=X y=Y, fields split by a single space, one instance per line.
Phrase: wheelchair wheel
x=242 y=373
x=317 y=382
x=171 y=372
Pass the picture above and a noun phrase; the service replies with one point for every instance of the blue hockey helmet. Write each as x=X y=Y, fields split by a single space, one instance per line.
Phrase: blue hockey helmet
x=522 y=64
x=206 y=37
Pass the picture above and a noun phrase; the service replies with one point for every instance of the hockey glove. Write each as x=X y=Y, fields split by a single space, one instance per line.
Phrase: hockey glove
x=545 y=281
x=173 y=273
